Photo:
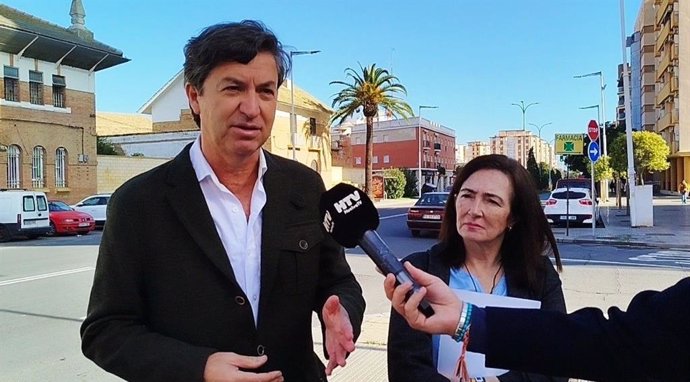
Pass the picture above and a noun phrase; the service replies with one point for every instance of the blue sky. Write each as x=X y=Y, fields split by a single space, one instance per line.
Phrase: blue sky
x=472 y=59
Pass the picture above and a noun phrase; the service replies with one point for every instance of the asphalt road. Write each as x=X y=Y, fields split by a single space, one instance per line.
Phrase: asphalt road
x=44 y=287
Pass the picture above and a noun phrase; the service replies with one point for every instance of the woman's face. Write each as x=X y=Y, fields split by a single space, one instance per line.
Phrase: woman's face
x=483 y=207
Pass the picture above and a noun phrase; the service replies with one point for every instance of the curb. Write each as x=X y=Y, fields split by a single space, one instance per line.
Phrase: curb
x=627 y=243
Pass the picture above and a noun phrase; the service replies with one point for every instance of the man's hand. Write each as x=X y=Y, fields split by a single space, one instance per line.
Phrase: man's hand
x=225 y=367
x=445 y=303
x=339 y=336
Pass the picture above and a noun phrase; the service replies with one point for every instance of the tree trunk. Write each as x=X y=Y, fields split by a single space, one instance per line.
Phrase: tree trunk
x=369 y=145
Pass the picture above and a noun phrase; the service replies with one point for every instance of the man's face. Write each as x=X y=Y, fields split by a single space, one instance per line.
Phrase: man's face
x=237 y=107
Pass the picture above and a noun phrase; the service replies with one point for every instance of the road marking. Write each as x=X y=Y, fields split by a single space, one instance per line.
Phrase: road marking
x=678 y=257
x=391 y=216
x=625 y=263
x=46 y=275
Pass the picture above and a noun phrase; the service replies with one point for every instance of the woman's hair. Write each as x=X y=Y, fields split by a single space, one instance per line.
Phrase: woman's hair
x=528 y=239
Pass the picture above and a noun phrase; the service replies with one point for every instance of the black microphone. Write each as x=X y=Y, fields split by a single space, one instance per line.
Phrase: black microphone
x=351 y=218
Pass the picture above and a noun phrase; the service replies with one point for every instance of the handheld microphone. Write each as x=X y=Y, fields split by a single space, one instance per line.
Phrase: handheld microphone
x=351 y=218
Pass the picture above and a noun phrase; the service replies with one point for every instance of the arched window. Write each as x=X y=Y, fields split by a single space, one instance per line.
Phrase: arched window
x=38 y=167
x=61 y=167
x=14 y=167
x=315 y=165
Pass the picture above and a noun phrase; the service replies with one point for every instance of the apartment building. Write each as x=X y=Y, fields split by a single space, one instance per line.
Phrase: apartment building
x=475 y=149
x=643 y=74
x=410 y=143
x=672 y=20
x=510 y=143
x=47 y=103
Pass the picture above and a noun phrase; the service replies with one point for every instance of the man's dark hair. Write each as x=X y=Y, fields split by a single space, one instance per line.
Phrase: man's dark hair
x=230 y=42
x=530 y=236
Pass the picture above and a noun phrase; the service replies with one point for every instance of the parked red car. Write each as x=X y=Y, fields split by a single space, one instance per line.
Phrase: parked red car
x=64 y=219
x=427 y=213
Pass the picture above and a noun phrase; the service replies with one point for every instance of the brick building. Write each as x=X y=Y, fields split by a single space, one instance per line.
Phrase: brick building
x=397 y=144
x=47 y=103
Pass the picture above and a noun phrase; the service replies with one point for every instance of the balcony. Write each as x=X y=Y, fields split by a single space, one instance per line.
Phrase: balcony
x=663 y=94
x=663 y=65
x=662 y=36
x=666 y=121
x=662 y=8
x=314 y=142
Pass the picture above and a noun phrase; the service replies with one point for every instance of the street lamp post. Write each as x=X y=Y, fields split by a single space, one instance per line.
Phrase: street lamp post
x=524 y=108
x=602 y=116
x=293 y=116
x=539 y=127
x=419 y=149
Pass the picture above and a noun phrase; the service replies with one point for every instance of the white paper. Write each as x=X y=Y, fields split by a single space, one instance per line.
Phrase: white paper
x=449 y=350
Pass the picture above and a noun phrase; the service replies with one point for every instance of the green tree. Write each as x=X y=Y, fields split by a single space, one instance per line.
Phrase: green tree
x=533 y=168
x=650 y=153
x=371 y=89
x=410 y=183
x=105 y=147
x=394 y=181
x=602 y=169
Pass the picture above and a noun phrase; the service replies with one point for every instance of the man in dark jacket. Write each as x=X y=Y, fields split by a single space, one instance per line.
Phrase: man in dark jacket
x=211 y=265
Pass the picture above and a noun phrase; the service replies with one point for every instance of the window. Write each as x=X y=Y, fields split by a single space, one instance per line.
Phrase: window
x=37 y=168
x=14 y=166
x=60 y=166
x=386 y=159
x=312 y=126
x=58 y=91
x=376 y=139
x=385 y=137
x=358 y=141
x=11 y=83
x=358 y=160
x=42 y=203
x=29 y=204
x=375 y=159
x=36 y=87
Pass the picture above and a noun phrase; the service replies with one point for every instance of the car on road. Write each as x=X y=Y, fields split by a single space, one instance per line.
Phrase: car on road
x=543 y=197
x=427 y=213
x=64 y=219
x=94 y=205
x=572 y=205
x=23 y=213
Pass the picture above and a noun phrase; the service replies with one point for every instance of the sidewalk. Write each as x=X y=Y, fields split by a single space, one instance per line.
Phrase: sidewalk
x=597 y=286
x=670 y=230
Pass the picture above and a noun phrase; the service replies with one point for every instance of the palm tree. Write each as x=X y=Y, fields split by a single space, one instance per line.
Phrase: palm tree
x=372 y=88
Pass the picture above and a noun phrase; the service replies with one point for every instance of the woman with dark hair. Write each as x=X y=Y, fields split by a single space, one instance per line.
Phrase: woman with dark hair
x=493 y=239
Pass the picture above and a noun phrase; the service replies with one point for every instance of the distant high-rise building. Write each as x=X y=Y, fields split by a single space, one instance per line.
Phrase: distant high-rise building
x=509 y=143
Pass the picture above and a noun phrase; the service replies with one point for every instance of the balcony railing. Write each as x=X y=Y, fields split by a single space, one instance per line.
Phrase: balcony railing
x=666 y=121
x=664 y=93
x=662 y=36
x=661 y=9
x=314 y=142
x=663 y=65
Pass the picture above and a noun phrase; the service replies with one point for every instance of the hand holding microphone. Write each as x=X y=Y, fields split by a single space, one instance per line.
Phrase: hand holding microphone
x=351 y=218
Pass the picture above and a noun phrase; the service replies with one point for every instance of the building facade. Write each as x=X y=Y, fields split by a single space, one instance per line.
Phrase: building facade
x=411 y=143
x=47 y=103
x=475 y=149
x=672 y=20
x=510 y=143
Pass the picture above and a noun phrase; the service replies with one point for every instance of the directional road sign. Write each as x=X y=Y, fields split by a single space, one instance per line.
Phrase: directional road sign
x=593 y=130
x=593 y=151
x=569 y=144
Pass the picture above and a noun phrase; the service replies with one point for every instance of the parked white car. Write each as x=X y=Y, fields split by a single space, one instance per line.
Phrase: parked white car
x=94 y=205
x=23 y=213
x=573 y=205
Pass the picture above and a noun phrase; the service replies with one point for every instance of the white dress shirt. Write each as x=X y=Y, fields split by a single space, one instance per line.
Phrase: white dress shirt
x=241 y=237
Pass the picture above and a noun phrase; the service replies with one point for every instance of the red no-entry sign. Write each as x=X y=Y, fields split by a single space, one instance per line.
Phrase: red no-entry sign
x=593 y=130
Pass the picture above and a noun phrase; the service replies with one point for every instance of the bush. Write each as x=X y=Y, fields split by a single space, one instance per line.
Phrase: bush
x=394 y=181
x=410 y=183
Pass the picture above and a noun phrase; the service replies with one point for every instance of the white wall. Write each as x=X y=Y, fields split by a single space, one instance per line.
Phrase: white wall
x=169 y=104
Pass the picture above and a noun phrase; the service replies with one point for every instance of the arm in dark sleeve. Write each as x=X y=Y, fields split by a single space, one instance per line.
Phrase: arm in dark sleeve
x=649 y=341
x=336 y=278
x=552 y=299
x=114 y=333
x=410 y=352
